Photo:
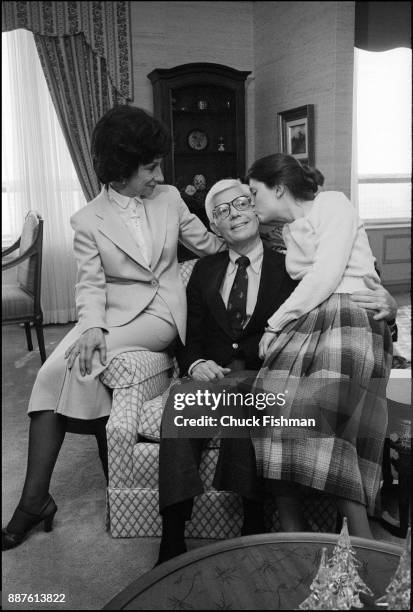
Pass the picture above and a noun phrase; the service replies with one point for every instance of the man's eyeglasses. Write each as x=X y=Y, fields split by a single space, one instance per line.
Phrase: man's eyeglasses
x=222 y=211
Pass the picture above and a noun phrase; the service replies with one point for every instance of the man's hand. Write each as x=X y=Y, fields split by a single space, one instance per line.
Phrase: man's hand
x=91 y=340
x=376 y=297
x=209 y=370
x=265 y=342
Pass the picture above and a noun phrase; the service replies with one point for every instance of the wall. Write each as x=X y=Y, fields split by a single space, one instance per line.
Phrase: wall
x=391 y=245
x=299 y=52
x=166 y=34
x=304 y=55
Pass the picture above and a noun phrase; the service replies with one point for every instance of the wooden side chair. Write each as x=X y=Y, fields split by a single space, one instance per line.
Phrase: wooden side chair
x=21 y=302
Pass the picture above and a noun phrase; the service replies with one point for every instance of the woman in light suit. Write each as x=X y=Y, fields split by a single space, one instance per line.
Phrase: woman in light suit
x=129 y=294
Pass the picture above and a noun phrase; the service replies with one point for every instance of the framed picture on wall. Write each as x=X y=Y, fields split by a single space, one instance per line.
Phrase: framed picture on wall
x=296 y=133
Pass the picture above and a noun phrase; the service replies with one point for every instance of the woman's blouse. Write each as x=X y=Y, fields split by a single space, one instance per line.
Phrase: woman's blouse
x=328 y=251
x=133 y=214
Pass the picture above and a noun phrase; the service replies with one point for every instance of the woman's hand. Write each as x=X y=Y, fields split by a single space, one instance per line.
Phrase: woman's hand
x=376 y=297
x=91 y=340
x=265 y=342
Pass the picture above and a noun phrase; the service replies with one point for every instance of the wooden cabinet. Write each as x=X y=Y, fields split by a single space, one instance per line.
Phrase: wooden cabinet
x=203 y=105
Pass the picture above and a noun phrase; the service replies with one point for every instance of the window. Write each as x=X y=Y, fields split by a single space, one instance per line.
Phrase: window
x=38 y=172
x=36 y=164
x=384 y=151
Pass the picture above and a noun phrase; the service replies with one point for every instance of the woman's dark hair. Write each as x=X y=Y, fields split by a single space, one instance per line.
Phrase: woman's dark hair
x=280 y=169
x=123 y=139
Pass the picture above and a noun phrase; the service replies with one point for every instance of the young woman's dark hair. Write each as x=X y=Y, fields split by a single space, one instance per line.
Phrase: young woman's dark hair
x=123 y=139
x=280 y=169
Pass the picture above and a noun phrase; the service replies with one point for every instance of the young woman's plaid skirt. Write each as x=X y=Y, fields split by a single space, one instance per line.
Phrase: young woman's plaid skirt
x=333 y=366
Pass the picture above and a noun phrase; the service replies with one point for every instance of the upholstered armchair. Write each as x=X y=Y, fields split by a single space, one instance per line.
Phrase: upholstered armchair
x=21 y=301
x=138 y=380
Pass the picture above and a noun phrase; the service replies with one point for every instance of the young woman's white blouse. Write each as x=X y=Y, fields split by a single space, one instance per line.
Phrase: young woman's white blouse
x=328 y=251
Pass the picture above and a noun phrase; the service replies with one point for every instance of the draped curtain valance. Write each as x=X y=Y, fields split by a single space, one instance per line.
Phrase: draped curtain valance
x=105 y=25
x=86 y=55
x=381 y=26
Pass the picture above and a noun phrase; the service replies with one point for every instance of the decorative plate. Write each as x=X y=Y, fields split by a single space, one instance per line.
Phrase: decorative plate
x=197 y=140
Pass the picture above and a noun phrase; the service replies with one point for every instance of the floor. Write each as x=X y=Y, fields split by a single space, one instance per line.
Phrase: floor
x=79 y=559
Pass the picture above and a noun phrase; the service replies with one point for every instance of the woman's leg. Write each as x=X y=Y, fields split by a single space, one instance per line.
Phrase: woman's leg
x=73 y=395
x=86 y=397
x=357 y=519
x=47 y=431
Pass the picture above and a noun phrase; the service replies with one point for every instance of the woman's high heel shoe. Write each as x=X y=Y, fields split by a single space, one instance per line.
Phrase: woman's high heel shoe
x=11 y=540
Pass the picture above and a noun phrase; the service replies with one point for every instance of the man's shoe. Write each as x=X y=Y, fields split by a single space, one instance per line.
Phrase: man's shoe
x=169 y=550
x=253 y=528
x=253 y=517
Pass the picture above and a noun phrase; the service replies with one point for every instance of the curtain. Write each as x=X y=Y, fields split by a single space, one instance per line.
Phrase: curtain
x=37 y=171
x=381 y=26
x=85 y=52
x=81 y=93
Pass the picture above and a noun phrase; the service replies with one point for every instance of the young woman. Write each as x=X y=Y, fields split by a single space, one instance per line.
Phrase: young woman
x=333 y=356
x=129 y=294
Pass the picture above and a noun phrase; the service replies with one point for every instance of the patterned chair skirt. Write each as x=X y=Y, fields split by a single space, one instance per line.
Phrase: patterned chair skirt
x=138 y=380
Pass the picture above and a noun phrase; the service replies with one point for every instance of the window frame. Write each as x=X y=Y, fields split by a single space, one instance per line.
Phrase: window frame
x=376 y=179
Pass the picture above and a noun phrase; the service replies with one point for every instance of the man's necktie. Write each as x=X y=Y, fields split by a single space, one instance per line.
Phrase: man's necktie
x=237 y=302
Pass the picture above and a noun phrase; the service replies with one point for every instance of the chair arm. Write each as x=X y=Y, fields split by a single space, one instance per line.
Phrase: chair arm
x=32 y=250
x=134 y=377
x=122 y=426
x=11 y=248
x=134 y=367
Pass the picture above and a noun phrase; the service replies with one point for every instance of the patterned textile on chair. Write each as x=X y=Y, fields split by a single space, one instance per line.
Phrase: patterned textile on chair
x=21 y=301
x=18 y=299
x=139 y=379
x=25 y=271
x=15 y=302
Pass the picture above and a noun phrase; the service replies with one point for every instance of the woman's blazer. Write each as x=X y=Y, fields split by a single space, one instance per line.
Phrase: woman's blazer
x=114 y=282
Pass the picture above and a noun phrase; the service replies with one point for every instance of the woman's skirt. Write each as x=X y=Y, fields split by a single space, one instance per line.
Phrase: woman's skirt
x=69 y=393
x=332 y=366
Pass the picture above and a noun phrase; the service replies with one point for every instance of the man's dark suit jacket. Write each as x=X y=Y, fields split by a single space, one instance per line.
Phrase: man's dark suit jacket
x=209 y=335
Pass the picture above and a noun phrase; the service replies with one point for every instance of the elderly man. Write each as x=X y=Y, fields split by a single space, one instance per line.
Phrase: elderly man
x=230 y=297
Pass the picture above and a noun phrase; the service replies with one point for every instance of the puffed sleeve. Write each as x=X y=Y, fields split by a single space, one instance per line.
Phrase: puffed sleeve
x=335 y=224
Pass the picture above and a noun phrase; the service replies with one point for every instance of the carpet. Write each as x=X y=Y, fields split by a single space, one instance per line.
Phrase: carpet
x=78 y=559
